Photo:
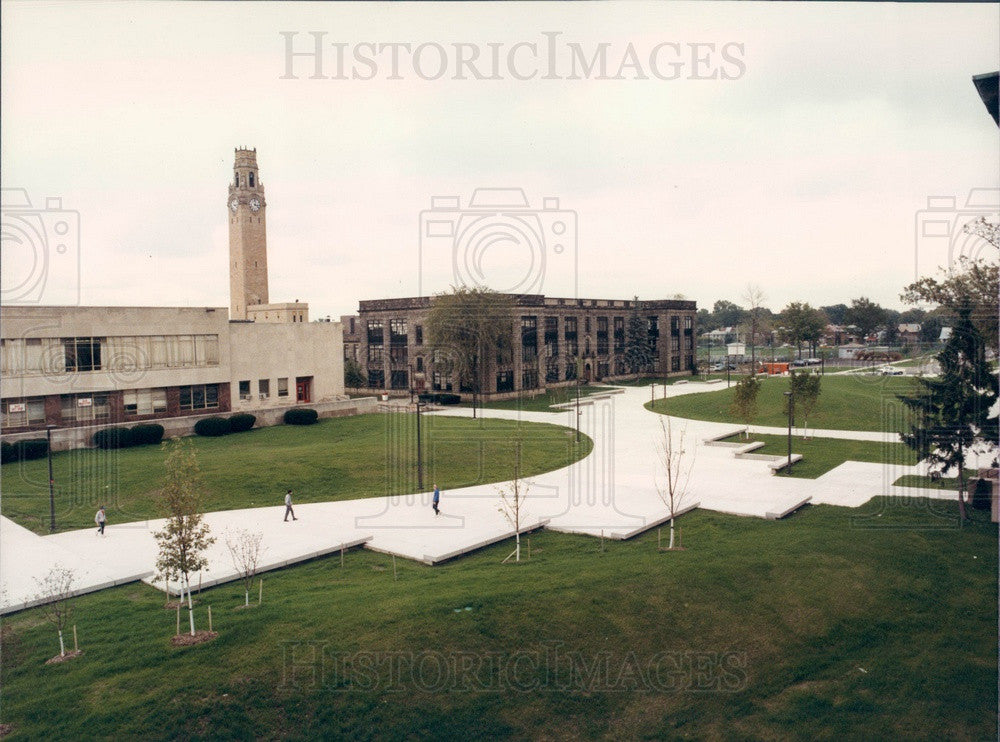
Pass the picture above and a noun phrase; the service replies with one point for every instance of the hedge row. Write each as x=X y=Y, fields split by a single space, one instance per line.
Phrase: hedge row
x=26 y=450
x=439 y=398
x=213 y=427
x=146 y=434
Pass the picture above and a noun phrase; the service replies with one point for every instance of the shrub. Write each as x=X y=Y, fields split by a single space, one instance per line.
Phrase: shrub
x=241 y=422
x=34 y=448
x=212 y=427
x=447 y=398
x=6 y=452
x=114 y=438
x=427 y=397
x=301 y=416
x=981 y=493
x=147 y=434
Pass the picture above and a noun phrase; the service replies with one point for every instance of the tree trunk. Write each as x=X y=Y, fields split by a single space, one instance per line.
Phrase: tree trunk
x=961 y=483
x=187 y=579
x=671 y=533
x=517 y=547
x=246 y=594
x=62 y=647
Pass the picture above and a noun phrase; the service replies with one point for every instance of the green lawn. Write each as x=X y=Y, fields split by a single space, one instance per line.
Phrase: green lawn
x=916 y=480
x=336 y=459
x=845 y=403
x=820 y=455
x=836 y=623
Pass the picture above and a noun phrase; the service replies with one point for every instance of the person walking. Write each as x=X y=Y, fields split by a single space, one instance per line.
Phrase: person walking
x=100 y=519
x=436 y=500
x=288 y=506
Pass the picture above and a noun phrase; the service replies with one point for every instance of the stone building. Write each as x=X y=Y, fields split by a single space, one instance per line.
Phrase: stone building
x=555 y=341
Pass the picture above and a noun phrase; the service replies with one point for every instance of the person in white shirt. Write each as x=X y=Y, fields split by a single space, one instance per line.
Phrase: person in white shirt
x=100 y=519
x=288 y=506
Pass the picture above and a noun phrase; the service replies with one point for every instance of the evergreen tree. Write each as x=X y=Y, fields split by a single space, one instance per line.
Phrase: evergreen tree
x=638 y=349
x=952 y=411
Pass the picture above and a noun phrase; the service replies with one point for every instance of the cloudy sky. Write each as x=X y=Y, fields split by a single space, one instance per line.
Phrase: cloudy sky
x=793 y=146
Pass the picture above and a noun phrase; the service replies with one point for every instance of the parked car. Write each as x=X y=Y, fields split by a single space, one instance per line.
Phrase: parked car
x=813 y=361
x=891 y=371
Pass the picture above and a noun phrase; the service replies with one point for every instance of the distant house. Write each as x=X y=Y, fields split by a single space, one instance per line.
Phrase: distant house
x=849 y=350
x=722 y=335
x=839 y=335
x=908 y=332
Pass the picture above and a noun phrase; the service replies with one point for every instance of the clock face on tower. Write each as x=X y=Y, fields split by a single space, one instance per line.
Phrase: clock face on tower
x=254 y=204
x=233 y=205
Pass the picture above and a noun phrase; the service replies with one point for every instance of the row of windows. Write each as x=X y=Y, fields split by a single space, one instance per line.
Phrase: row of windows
x=123 y=354
x=263 y=388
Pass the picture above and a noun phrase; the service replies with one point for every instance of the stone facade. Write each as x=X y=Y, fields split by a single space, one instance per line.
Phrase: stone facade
x=553 y=337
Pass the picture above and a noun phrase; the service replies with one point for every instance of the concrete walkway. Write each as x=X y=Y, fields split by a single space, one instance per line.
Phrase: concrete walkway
x=612 y=492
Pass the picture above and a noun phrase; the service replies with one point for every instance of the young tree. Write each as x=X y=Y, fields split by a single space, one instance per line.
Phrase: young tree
x=185 y=537
x=245 y=549
x=953 y=410
x=512 y=495
x=353 y=377
x=805 y=388
x=744 y=405
x=801 y=323
x=56 y=589
x=466 y=328
x=638 y=349
x=672 y=455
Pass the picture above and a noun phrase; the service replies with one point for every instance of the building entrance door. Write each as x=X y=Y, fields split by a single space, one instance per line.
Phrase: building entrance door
x=302 y=385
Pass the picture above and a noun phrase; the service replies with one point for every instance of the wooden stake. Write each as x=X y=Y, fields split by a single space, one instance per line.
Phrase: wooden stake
x=659 y=538
x=199 y=583
x=178 y=618
x=529 y=548
x=166 y=589
x=260 y=595
x=394 y=567
x=210 y=619
x=602 y=539
x=76 y=644
x=341 y=556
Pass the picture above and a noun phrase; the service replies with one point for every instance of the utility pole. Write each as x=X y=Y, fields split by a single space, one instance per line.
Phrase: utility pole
x=52 y=494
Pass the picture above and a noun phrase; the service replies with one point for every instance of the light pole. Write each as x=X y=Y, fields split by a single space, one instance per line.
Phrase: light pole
x=420 y=460
x=52 y=481
x=579 y=366
x=727 y=371
x=791 y=407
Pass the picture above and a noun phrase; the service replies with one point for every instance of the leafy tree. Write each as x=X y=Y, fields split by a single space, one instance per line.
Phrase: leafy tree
x=805 y=388
x=866 y=315
x=835 y=313
x=975 y=282
x=953 y=410
x=802 y=323
x=466 y=328
x=726 y=313
x=744 y=405
x=639 y=352
x=353 y=377
x=184 y=538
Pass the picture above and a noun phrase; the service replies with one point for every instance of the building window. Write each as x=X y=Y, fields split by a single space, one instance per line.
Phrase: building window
x=237 y=180
x=245 y=389
x=352 y=325
x=586 y=325
x=374 y=354
x=19 y=413
x=602 y=336
x=376 y=378
x=688 y=342
x=375 y=332
x=440 y=382
x=82 y=354
x=397 y=332
x=420 y=363
x=398 y=379
x=529 y=378
x=675 y=363
x=688 y=322
x=675 y=344
x=551 y=370
x=201 y=396
x=675 y=325
x=398 y=354
x=251 y=178
x=264 y=388
x=505 y=381
x=619 y=334
x=570 y=370
x=85 y=407
x=418 y=330
x=689 y=362
x=283 y=387
x=145 y=401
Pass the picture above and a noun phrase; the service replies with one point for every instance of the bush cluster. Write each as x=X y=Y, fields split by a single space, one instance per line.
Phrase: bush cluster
x=301 y=416
x=146 y=434
x=440 y=398
x=213 y=427
x=26 y=450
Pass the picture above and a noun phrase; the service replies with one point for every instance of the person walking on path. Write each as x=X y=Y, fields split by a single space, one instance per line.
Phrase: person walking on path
x=436 y=500
x=288 y=506
x=100 y=519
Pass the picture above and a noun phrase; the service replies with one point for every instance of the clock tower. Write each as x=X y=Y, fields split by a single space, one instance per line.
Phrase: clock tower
x=247 y=236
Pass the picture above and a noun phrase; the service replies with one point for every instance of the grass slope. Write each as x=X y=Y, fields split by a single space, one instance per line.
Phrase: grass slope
x=845 y=403
x=833 y=624
x=336 y=459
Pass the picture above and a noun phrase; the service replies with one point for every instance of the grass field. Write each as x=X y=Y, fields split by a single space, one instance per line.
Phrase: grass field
x=845 y=403
x=877 y=623
x=336 y=459
x=543 y=402
x=820 y=455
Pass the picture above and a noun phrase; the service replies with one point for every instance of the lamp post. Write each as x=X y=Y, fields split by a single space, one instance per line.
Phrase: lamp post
x=727 y=371
x=791 y=407
x=420 y=459
x=579 y=366
x=52 y=481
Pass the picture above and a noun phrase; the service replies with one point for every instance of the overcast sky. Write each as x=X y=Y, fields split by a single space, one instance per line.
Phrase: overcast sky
x=787 y=145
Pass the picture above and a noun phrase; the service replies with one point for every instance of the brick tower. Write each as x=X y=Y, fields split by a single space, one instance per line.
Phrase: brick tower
x=247 y=236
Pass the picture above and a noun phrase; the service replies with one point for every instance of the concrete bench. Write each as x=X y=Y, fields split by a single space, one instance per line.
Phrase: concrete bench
x=781 y=514
x=783 y=462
